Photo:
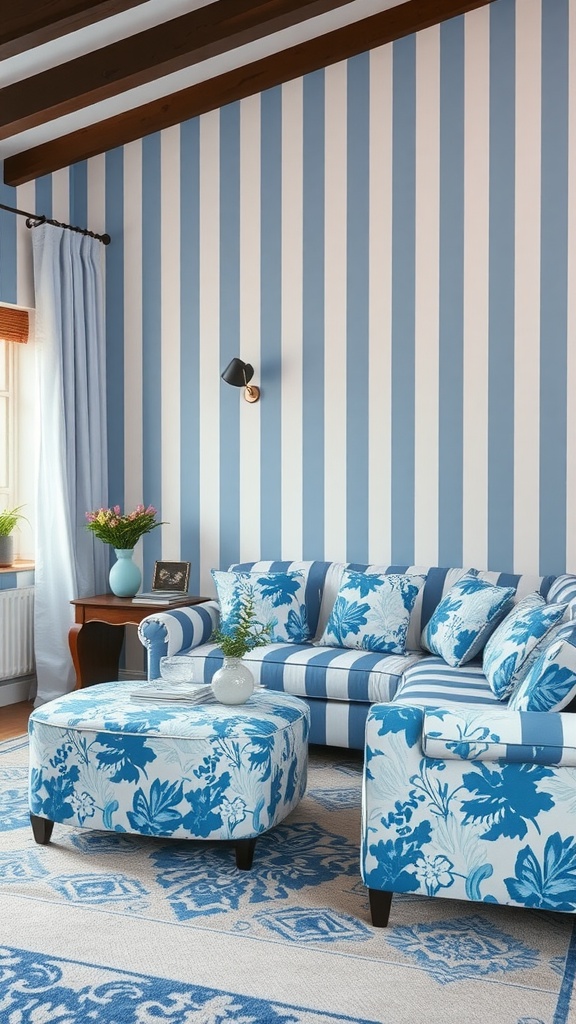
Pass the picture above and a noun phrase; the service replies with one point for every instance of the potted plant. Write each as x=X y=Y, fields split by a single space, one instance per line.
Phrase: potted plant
x=9 y=519
x=122 y=532
x=233 y=682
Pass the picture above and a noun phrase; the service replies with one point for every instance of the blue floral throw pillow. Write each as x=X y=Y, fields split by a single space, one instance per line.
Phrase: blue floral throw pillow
x=551 y=682
x=371 y=612
x=465 y=618
x=507 y=654
x=279 y=601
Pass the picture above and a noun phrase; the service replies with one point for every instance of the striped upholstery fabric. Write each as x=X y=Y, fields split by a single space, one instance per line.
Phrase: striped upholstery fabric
x=340 y=685
x=167 y=633
x=474 y=734
x=563 y=591
x=431 y=682
x=328 y=673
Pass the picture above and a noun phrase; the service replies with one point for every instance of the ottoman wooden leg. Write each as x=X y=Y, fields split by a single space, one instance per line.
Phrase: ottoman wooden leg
x=42 y=829
x=245 y=853
x=379 y=907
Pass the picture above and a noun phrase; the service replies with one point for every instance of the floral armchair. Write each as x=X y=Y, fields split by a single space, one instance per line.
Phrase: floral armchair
x=472 y=803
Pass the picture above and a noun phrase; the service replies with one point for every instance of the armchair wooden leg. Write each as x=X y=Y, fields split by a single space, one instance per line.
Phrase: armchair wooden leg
x=379 y=906
x=245 y=853
x=42 y=829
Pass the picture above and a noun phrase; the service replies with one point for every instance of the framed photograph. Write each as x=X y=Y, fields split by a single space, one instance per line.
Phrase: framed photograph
x=171 y=576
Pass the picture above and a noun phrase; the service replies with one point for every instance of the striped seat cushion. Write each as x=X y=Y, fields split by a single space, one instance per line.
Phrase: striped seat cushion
x=432 y=682
x=308 y=671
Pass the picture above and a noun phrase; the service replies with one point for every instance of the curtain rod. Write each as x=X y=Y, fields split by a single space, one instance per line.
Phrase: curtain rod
x=33 y=220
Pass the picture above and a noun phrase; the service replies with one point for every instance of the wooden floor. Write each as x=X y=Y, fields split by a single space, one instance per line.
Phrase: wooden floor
x=14 y=719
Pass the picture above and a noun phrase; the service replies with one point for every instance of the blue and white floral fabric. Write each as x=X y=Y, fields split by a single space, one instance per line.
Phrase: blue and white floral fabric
x=101 y=760
x=465 y=618
x=371 y=611
x=495 y=832
x=472 y=735
x=279 y=602
x=551 y=682
x=507 y=651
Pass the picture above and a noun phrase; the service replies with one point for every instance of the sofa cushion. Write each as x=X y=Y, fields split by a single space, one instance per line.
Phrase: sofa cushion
x=551 y=682
x=474 y=734
x=308 y=671
x=432 y=683
x=506 y=654
x=315 y=573
x=278 y=602
x=464 y=619
x=371 y=611
x=438 y=582
x=563 y=591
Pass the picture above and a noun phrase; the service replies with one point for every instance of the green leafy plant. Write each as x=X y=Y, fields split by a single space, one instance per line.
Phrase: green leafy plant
x=9 y=519
x=242 y=636
x=122 y=531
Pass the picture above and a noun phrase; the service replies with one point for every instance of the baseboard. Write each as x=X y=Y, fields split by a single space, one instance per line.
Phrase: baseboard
x=14 y=691
x=129 y=673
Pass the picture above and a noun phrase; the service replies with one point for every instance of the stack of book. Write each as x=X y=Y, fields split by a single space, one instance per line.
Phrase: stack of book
x=160 y=597
x=160 y=692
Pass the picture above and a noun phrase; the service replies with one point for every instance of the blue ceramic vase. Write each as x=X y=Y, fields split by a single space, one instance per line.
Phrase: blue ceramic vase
x=125 y=576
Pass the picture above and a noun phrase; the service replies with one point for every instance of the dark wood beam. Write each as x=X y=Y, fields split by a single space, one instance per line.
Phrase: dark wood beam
x=141 y=58
x=28 y=23
x=234 y=85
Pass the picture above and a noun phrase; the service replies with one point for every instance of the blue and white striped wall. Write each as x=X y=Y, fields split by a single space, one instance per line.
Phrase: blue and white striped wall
x=391 y=242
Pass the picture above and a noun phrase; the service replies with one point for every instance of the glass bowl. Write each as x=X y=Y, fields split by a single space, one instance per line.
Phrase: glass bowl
x=177 y=669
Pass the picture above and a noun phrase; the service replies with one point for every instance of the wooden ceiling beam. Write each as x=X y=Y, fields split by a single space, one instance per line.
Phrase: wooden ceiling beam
x=29 y=23
x=171 y=46
x=234 y=85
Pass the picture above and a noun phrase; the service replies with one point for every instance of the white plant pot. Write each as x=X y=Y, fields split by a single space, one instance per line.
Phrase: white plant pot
x=233 y=683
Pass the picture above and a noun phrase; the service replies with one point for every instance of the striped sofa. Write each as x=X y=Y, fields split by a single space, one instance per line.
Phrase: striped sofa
x=339 y=685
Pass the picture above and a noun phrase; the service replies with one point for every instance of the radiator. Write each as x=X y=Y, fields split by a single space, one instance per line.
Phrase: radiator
x=16 y=633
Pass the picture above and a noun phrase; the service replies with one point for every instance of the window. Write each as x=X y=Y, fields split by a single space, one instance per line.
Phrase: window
x=18 y=424
x=7 y=425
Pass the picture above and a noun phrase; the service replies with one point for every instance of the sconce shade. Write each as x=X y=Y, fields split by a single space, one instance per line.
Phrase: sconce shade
x=238 y=373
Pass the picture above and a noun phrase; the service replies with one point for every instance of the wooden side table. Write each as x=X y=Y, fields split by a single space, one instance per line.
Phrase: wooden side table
x=98 y=633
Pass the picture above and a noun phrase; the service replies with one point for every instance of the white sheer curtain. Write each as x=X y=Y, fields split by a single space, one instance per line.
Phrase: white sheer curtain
x=72 y=475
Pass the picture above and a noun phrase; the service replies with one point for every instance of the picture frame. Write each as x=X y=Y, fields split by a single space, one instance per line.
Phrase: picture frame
x=171 y=576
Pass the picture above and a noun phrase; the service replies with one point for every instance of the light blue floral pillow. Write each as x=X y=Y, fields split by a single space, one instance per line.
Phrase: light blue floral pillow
x=279 y=601
x=507 y=654
x=551 y=682
x=465 y=618
x=371 y=611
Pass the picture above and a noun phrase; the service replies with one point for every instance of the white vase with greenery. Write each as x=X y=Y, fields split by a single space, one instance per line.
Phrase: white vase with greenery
x=233 y=683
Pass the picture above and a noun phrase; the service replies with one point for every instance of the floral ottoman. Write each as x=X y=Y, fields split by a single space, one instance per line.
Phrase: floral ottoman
x=103 y=760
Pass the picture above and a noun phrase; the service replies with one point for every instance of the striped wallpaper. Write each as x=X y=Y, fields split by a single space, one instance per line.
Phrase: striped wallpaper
x=391 y=242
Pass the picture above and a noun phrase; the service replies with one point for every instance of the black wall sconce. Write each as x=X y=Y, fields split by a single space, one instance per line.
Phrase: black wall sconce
x=238 y=374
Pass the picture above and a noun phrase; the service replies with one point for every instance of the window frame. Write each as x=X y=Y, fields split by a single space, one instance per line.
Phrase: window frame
x=9 y=487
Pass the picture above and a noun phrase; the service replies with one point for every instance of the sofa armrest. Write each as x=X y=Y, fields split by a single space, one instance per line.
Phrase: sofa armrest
x=471 y=733
x=167 y=633
x=496 y=832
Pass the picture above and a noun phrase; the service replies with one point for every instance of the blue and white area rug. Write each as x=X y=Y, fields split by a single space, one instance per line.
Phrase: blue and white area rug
x=119 y=929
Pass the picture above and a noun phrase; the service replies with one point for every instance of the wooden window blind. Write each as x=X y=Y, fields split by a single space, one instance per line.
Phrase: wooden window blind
x=14 y=324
